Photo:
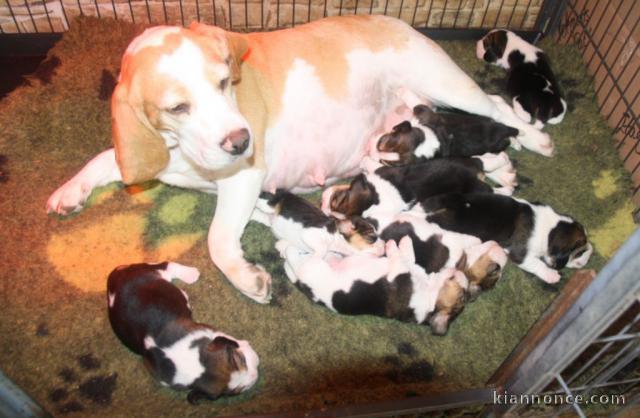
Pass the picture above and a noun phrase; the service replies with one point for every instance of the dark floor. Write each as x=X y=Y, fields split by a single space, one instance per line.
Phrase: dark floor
x=13 y=70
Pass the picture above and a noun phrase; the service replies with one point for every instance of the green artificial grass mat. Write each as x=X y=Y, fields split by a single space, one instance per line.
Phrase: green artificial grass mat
x=57 y=343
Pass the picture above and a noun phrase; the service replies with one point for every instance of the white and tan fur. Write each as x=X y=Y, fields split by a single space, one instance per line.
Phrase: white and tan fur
x=310 y=97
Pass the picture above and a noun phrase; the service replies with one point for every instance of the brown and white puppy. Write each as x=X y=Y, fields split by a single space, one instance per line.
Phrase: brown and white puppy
x=300 y=223
x=235 y=114
x=535 y=237
x=393 y=286
x=152 y=317
x=531 y=84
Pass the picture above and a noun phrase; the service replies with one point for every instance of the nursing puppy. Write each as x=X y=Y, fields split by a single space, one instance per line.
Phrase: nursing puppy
x=390 y=287
x=531 y=83
x=445 y=134
x=152 y=317
x=436 y=249
x=299 y=222
x=534 y=236
x=382 y=194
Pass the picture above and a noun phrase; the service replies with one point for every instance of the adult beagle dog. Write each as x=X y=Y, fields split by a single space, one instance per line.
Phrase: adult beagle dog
x=235 y=114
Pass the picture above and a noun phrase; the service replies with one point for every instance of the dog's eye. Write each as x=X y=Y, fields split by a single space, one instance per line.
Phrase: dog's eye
x=224 y=83
x=179 y=109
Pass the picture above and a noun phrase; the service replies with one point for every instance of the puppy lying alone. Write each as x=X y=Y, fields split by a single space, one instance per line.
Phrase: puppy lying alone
x=435 y=135
x=534 y=236
x=531 y=84
x=390 y=287
x=152 y=317
x=299 y=222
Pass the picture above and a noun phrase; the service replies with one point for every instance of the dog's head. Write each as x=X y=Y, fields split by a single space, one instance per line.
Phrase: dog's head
x=360 y=235
x=450 y=301
x=403 y=140
x=493 y=47
x=230 y=367
x=176 y=89
x=483 y=265
x=568 y=246
x=350 y=200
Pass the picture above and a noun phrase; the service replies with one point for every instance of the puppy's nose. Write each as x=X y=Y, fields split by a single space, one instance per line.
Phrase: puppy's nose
x=236 y=142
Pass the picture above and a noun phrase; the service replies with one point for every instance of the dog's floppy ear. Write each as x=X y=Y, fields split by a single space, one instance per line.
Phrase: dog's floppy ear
x=237 y=43
x=238 y=48
x=140 y=152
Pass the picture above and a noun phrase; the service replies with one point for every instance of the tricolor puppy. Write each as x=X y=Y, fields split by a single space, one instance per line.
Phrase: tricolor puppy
x=534 y=236
x=382 y=194
x=239 y=113
x=303 y=225
x=390 y=287
x=445 y=134
x=531 y=83
x=152 y=317
x=435 y=249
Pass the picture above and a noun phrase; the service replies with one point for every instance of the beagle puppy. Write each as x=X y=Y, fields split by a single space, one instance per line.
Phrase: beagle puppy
x=300 y=223
x=445 y=134
x=152 y=317
x=390 y=287
x=382 y=194
x=531 y=83
x=435 y=249
x=536 y=238
x=239 y=113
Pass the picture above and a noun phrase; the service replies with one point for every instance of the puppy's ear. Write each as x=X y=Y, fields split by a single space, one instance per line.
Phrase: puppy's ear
x=403 y=127
x=495 y=44
x=140 y=151
x=423 y=113
x=462 y=262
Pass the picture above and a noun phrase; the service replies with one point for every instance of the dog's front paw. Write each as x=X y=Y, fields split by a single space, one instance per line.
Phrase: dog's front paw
x=69 y=198
x=254 y=282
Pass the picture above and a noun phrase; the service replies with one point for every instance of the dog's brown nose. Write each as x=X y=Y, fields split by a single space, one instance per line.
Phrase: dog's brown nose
x=236 y=142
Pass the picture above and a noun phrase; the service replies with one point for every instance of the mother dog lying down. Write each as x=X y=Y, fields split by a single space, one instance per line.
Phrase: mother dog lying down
x=235 y=114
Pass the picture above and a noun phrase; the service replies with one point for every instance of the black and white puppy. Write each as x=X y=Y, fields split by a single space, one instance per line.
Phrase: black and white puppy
x=531 y=84
x=298 y=221
x=534 y=236
x=444 y=134
x=391 y=287
x=382 y=194
x=152 y=317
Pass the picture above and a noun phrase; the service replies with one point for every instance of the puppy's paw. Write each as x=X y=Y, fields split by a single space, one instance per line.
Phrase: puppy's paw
x=69 y=198
x=189 y=275
x=282 y=246
x=551 y=276
x=505 y=190
x=515 y=144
